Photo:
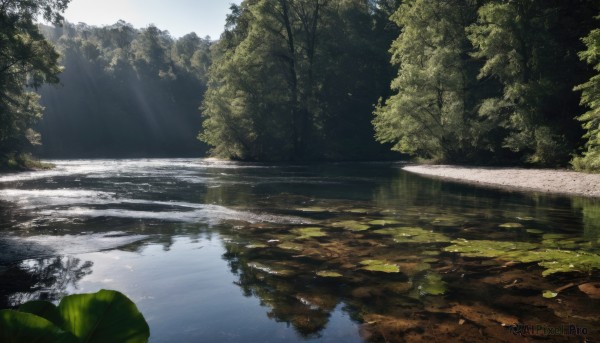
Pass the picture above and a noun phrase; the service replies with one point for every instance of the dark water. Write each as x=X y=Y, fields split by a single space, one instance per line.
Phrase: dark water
x=223 y=252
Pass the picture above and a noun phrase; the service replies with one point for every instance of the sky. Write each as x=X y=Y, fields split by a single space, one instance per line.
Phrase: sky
x=179 y=17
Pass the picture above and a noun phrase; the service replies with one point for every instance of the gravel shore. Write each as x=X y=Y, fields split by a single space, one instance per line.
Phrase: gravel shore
x=537 y=180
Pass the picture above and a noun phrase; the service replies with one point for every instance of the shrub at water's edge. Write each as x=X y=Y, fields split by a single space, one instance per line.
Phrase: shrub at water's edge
x=22 y=162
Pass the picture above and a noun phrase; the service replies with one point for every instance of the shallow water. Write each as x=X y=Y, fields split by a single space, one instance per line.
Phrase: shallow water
x=224 y=252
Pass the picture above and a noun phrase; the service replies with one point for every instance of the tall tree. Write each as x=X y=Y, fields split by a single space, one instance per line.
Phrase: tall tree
x=27 y=61
x=274 y=90
x=433 y=112
x=530 y=47
x=591 y=97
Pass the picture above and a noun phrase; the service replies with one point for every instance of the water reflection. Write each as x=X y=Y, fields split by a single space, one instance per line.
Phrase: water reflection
x=41 y=279
x=304 y=246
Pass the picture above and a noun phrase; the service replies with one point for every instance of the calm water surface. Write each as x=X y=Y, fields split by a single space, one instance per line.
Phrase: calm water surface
x=214 y=251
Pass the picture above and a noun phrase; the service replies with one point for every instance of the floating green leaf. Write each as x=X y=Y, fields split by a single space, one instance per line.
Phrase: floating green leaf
x=384 y=268
x=535 y=231
x=325 y=273
x=312 y=209
x=351 y=225
x=549 y=294
x=484 y=248
x=291 y=246
x=432 y=284
x=309 y=232
x=379 y=266
x=552 y=260
x=407 y=234
x=511 y=225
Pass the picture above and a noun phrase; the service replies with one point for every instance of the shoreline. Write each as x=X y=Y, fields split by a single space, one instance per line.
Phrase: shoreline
x=550 y=181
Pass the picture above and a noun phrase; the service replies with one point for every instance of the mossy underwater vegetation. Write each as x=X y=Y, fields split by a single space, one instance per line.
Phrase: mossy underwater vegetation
x=397 y=271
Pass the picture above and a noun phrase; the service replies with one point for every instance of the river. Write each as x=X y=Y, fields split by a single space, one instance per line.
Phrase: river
x=215 y=251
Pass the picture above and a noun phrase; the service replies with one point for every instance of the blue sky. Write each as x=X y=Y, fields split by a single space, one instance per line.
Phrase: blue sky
x=179 y=17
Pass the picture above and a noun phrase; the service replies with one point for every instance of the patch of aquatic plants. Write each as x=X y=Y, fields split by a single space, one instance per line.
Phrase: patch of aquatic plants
x=552 y=260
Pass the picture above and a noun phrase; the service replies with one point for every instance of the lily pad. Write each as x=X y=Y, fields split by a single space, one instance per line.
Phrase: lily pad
x=351 y=225
x=309 y=232
x=357 y=210
x=384 y=268
x=485 y=248
x=291 y=246
x=432 y=284
x=511 y=225
x=430 y=260
x=379 y=266
x=407 y=234
x=313 y=209
x=549 y=294
x=325 y=273
x=552 y=260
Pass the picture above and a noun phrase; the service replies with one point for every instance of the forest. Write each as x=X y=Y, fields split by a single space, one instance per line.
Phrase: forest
x=487 y=82
x=124 y=92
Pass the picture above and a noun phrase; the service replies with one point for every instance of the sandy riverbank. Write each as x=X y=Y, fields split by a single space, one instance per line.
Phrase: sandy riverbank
x=538 y=180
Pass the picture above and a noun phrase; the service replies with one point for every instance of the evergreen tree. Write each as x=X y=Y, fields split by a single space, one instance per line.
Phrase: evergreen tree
x=591 y=97
x=433 y=111
x=530 y=47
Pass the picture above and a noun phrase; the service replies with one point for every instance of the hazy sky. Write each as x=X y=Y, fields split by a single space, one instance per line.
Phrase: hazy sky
x=179 y=17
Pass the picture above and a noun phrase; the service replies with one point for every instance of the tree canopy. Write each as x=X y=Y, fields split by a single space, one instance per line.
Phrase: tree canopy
x=27 y=60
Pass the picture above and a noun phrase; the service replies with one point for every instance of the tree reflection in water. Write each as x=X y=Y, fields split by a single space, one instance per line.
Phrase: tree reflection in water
x=41 y=279
x=290 y=297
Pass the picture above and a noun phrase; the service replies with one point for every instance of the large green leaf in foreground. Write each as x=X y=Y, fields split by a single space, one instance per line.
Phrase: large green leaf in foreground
x=21 y=327
x=44 y=309
x=102 y=317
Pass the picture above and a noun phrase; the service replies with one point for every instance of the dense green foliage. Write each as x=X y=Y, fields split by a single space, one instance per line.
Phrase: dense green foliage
x=124 y=92
x=433 y=111
x=101 y=317
x=27 y=60
x=296 y=79
x=591 y=97
x=487 y=81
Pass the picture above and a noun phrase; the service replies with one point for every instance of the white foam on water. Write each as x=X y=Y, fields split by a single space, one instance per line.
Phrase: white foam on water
x=209 y=214
x=41 y=198
x=15 y=248
x=138 y=168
